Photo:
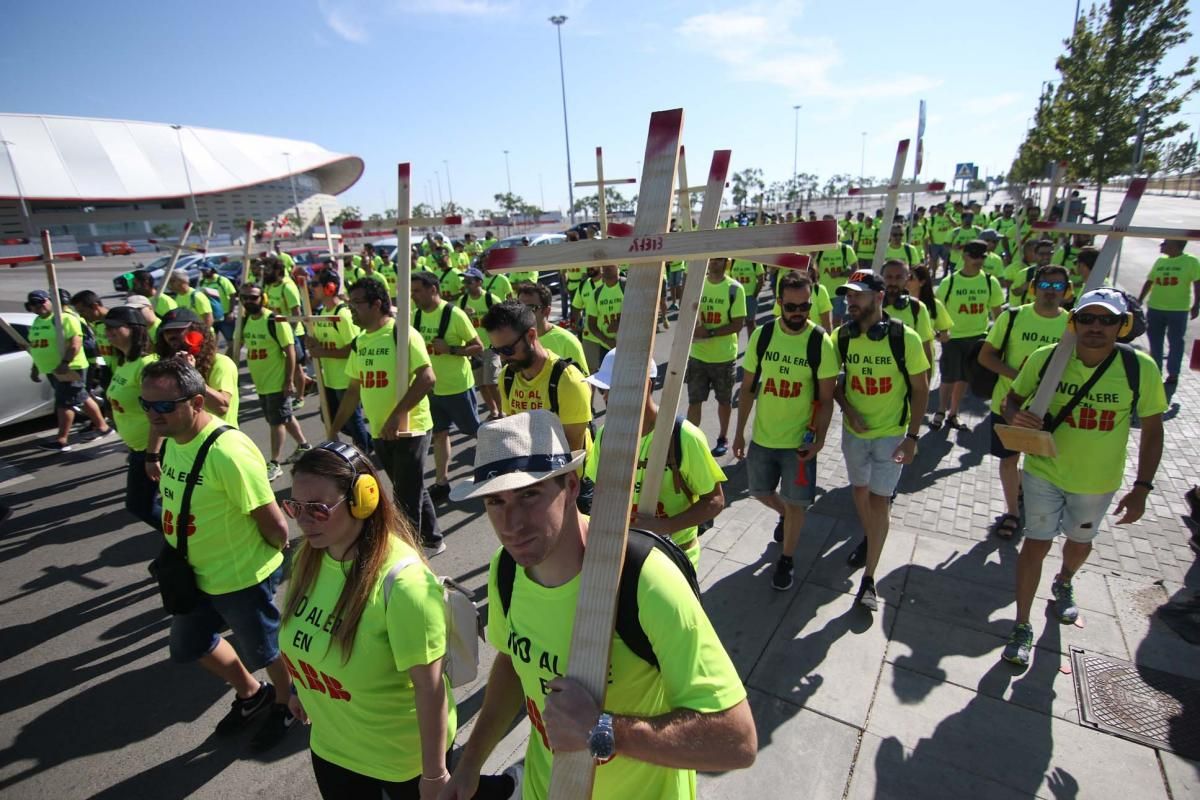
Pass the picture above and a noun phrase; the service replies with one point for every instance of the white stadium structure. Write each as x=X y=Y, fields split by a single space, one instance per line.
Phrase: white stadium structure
x=101 y=180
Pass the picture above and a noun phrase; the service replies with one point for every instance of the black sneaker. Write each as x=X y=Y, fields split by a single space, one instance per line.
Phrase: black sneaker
x=779 y=531
x=722 y=447
x=867 y=598
x=95 y=435
x=858 y=556
x=245 y=710
x=781 y=581
x=55 y=446
x=273 y=729
x=439 y=492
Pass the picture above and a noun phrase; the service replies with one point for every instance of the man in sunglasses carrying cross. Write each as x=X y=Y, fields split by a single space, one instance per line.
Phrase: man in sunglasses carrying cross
x=1103 y=384
x=235 y=537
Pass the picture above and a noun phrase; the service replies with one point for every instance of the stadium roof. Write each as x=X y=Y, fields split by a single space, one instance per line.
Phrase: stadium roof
x=80 y=158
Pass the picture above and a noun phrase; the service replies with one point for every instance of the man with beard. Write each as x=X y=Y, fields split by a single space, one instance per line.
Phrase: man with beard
x=789 y=369
x=1089 y=417
x=906 y=308
x=533 y=377
x=882 y=395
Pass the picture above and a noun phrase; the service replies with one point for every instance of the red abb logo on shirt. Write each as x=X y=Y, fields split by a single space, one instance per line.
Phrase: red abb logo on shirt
x=315 y=680
x=169 y=523
x=869 y=385
x=374 y=379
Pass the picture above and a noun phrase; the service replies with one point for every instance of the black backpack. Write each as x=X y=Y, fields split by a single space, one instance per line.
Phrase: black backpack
x=488 y=300
x=443 y=324
x=895 y=337
x=980 y=379
x=638 y=547
x=767 y=330
x=556 y=372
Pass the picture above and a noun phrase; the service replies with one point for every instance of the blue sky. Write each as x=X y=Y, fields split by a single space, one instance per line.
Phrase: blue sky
x=461 y=81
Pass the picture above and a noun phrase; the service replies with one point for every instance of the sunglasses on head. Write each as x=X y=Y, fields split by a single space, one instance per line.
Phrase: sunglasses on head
x=318 y=512
x=161 y=406
x=1058 y=286
x=509 y=349
x=1088 y=318
x=791 y=308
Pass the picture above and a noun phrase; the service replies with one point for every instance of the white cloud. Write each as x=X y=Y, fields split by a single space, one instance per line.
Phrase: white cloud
x=760 y=45
x=351 y=19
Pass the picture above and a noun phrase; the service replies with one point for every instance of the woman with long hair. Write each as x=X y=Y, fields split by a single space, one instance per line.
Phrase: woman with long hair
x=127 y=335
x=920 y=286
x=181 y=331
x=364 y=636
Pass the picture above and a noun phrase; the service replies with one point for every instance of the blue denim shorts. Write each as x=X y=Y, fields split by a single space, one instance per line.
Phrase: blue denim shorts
x=249 y=613
x=455 y=409
x=769 y=467
x=1049 y=510
x=869 y=462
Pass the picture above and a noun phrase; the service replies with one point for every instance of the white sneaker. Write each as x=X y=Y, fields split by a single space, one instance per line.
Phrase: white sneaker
x=273 y=470
x=517 y=773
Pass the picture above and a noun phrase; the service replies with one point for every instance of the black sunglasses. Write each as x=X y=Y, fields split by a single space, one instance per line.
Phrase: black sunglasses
x=793 y=307
x=161 y=406
x=509 y=349
x=1107 y=320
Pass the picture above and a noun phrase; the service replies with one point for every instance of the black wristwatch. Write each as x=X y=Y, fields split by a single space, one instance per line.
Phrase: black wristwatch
x=602 y=741
x=1147 y=485
x=153 y=458
x=914 y=436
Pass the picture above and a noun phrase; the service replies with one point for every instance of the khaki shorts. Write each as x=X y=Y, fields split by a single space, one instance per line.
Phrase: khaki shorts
x=489 y=371
x=702 y=376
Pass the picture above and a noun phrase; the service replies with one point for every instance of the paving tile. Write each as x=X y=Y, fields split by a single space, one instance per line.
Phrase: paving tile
x=1183 y=776
x=729 y=591
x=887 y=770
x=1152 y=641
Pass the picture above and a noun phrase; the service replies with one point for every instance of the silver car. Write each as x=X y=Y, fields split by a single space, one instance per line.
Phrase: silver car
x=22 y=399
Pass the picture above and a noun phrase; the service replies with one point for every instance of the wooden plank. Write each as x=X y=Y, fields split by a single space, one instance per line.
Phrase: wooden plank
x=403 y=310
x=178 y=248
x=603 y=183
x=68 y=375
x=334 y=254
x=685 y=325
x=306 y=307
x=797 y=237
x=1027 y=440
x=14 y=334
x=889 y=207
x=904 y=188
x=235 y=350
x=591 y=635
x=1133 y=231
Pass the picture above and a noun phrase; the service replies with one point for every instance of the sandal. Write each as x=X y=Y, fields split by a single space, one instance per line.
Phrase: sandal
x=1007 y=526
x=954 y=423
x=938 y=419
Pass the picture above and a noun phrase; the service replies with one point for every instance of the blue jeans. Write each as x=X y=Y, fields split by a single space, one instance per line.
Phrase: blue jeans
x=356 y=427
x=251 y=615
x=1174 y=325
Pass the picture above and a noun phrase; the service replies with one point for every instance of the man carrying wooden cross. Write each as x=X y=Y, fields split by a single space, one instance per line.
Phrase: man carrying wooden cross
x=1103 y=384
x=674 y=703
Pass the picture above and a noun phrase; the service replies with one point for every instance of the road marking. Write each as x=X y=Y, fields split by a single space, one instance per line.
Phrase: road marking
x=11 y=476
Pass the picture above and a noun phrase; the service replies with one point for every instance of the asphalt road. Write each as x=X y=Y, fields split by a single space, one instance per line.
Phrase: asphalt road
x=89 y=704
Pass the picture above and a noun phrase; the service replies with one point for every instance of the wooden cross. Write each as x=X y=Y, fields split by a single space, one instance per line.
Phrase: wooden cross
x=602 y=184
x=69 y=375
x=1040 y=442
x=306 y=307
x=893 y=190
x=591 y=635
x=175 y=251
x=236 y=345
x=203 y=250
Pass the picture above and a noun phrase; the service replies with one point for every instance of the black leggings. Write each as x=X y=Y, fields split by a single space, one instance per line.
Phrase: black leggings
x=339 y=783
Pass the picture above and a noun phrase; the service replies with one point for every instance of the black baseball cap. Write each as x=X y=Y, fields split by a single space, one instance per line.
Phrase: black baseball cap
x=179 y=318
x=976 y=248
x=862 y=280
x=37 y=296
x=124 y=315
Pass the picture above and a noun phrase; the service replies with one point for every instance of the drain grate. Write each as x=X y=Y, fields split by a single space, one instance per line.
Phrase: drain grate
x=1144 y=705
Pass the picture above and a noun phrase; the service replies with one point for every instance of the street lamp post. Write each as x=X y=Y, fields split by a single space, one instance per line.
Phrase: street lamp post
x=507 y=174
x=26 y=223
x=186 y=172
x=295 y=199
x=437 y=176
x=796 y=151
x=558 y=21
x=449 y=188
x=862 y=171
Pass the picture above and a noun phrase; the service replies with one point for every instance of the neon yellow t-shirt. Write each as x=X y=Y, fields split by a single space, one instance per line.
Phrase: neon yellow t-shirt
x=786 y=390
x=284 y=298
x=454 y=375
x=363 y=710
x=747 y=273
x=223 y=286
x=372 y=363
x=526 y=276
x=875 y=386
x=43 y=344
x=225 y=548
x=942 y=321
x=450 y=282
x=1171 y=282
x=1030 y=331
x=865 y=234
x=103 y=345
x=574 y=393
x=940 y=227
x=476 y=307
x=335 y=334
x=919 y=320
x=904 y=252
x=836 y=265
x=1093 y=440
x=265 y=355
x=162 y=304
x=604 y=307
x=498 y=285
x=969 y=301
x=993 y=265
x=123 y=392
x=960 y=236
x=197 y=302
x=224 y=378
x=720 y=304
x=698 y=470
x=565 y=344
x=820 y=299
x=696 y=672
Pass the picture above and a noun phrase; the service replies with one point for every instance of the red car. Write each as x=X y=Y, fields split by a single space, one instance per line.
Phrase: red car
x=117 y=249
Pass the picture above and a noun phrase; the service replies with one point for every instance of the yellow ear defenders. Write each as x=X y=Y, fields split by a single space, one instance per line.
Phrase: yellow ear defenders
x=1122 y=332
x=363 y=496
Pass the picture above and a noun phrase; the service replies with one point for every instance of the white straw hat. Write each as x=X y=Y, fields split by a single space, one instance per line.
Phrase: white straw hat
x=518 y=451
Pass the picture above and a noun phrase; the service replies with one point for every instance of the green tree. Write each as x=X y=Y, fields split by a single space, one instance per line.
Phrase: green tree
x=1183 y=157
x=1111 y=72
x=347 y=214
x=162 y=230
x=746 y=183
x=511 y=203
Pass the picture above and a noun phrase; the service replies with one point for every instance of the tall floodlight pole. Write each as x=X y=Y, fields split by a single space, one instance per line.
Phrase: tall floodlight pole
x=186 y=172
x=26 y=223
x=796 y=151
x=507 y=174
x=558 y=21
x=441 y=206
x=449 y=188
x=862 y=168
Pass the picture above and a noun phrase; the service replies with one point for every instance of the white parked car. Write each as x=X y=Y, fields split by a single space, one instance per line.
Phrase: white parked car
x=22 y=399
